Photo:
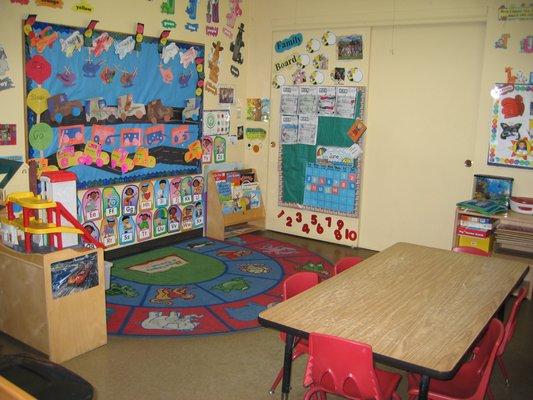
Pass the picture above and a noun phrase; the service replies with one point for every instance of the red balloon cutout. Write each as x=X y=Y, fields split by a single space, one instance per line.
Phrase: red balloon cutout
x=38 y=69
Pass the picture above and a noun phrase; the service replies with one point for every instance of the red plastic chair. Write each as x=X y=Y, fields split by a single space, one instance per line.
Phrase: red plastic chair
x=472 y=379
x=471 y=250
x=292 y=286
x=345 y=263
x=346 y=368
x=510 y=326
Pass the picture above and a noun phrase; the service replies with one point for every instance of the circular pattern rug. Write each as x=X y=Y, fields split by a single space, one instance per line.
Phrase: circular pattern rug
x=203 y=286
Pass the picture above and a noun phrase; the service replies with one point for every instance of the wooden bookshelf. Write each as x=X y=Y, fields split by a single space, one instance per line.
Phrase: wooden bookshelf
x=221 y=226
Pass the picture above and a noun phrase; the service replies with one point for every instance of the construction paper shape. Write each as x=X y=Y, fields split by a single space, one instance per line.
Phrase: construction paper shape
x=313 y=45
x=160 y=222
x=192 y=8
x=124 y=47
x=41 y=136
x=299 y=77
x=237 y=45
x=303 y=60
x=6 y=83
x=186 y=190
x=92 y=229
x=207 y=149
x=321 y=61
x=175 y=197
x=355 y=75
x=168 y=24
x=197 y=215
x=219 y=150
x=329 y=38
x=38 y=69
x=111 y=202
x=288 y=43
x=278 y=81
x=130 y=199
x=50 y=3
x=4 y=66
x=169 y=52
x=161 y=193
x=146 y=199
x=67 y=77
x=168 y=6
x=37 y=100
x=197 y=188
x=317 y=77
x=109 y=231
x=83 y=6
x=174 y=219
x=92 y=205
x=166 y=74
x=212 y=11
x=126 y=230
x=144 y=225
x=526 y=44
x=188 y=57
x=502 y=42
x=187 y=218
x=214 y=61
x=512 y=107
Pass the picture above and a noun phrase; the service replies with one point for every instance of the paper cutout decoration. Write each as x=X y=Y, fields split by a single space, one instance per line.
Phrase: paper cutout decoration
x=526 y=45
x=237 y=45
x=50 y=3
x=146 y=196
x=317 y=77
x=197 y=188
x=130 y=199
x=92 y=229
x=207 y=149
x=160 y=222
x=253 y=109
x=278 y=81
x=515 y=12
x=187 y=218
x=255 y=134
x=356 y=130
x=168 y=24
x=197 y=215
x=288 y=43
x=144 y=225
x=175 y=197
x=174 y=219
x=168 y=6
x=234 y=12
x=111 y=202
x=219 y=149
x=511 y=79
x=23 y=2
x=186 y=190
x=124 y=47
x=139 y=36
x=211 y=31
x=299 y=77
x=194 y=152
x=126 y=230
x=83 y=6
x=501 y=43
x=38 y=69
x=92 y=205
x=191 y=27
x=41 y=136
x=37 y=100
x=512 y=107
x=338 y=75
x=161 y=193
x=163 y=39
x=214 y=61
x=6 y=83
x=188 y=57
x=8 y=134
x=166 y=74
x=216 y=122
x=4 y=66
x=329 y=38
x=321 y=61
x=109 y=231
x=355 y=75
x=169 y=52
x=212 y=11
x=191 y=9
x=303 y=60
x=350 y=47
x=313 y=45
x=101 y=44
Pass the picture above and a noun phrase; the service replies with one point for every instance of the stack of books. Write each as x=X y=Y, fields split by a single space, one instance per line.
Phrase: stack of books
x=486 y=207
x=238 y=191
x=475 y=232
x=513 y=236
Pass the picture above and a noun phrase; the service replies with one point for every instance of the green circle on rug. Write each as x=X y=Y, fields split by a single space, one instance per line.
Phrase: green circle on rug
x=168 y=266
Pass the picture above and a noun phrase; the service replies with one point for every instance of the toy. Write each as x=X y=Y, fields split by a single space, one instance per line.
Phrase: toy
x=191 y=9
x=236 y=46
x=156 y=111
x=214 y=60
x=143 y=159
x=127 y=108
x=93 y=154
x=191 y=111
x=97 y=110
x=119 y=159
x=59 y=107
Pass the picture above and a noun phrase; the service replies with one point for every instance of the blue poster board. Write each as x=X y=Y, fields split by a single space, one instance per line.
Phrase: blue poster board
x=118 y=112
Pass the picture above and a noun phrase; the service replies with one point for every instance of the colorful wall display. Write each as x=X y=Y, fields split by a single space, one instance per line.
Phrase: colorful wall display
x=8 y=134
x=511 y=136
x=111 y=109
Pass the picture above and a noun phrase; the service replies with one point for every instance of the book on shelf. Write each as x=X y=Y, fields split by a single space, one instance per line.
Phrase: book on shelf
x=486 y=207
x=475 y=225
x=251 y=191
x=483 y=220
x=224 y=191
x=480 y=233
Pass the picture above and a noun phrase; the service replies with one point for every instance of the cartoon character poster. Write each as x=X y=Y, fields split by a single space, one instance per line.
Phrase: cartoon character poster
x=144 y=225
x=187 y=217
x=127 y=230
x=174 y=219
x=146 y=196
x=92 y=229
x=162 y=193
x=105 y=107
x=207 y=149
x=511 y=136
x=130 y=198
x=198 y=215
x=175 y=197
x=92 y=205
x=198 y=188
x=109 y=231
x=111 y=202
x=160 y=222
x=186 y=190
x=219 y=149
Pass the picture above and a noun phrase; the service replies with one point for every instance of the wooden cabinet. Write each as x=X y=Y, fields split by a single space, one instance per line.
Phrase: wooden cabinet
x=509 y=218
x=62 y=327
x=221 y=226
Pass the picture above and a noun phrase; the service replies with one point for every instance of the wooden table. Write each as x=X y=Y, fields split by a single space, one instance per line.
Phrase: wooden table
x=421 y=309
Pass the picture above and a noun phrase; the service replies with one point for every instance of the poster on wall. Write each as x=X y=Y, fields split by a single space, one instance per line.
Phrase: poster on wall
x=112 y=110
x=511 y=136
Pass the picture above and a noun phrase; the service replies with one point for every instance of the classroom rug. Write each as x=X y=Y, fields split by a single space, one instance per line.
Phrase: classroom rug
x=203 y=286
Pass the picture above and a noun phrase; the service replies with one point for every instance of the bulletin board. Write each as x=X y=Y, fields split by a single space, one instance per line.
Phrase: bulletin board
x=511 y=136
x=112 y=109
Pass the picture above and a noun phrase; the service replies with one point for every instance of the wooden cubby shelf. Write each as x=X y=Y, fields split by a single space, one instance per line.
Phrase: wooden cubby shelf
x=221 y=226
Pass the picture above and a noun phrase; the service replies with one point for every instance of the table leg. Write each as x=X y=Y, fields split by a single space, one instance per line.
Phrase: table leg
x=287 y=365
x=501 y=312
x=423 y=388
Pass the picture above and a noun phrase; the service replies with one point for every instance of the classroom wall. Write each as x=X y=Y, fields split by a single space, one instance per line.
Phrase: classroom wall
x=384 y=220
x=119 y=16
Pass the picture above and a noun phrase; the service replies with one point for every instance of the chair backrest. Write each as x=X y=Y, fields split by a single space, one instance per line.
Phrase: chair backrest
x=470 y=250
x=510 y=325
x=345 y=263
x=342 y=366
x=475 y=373
x=298 y=282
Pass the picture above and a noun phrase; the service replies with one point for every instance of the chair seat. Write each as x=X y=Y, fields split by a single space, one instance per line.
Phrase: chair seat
x=441 y=390
x=388 y=382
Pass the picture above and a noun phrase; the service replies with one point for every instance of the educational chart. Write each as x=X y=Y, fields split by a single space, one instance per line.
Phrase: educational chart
x=111 y=108
x=133 y=213
x=511 y=137
x=321 y=127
